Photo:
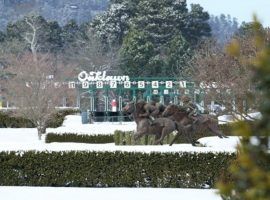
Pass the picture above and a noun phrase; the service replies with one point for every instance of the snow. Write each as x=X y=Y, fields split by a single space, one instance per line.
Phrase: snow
x=223 y=119
x=60 y=193
x=73 y=124
x=24 y=139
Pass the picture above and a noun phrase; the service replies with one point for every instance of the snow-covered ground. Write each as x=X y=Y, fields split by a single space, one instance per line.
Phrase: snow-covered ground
x=12 y=139
x=24 y=139
x=56 y=193
x=223 y=119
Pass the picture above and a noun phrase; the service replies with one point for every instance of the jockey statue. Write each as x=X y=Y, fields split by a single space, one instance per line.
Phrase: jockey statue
x=190 y=108
x=152 y=110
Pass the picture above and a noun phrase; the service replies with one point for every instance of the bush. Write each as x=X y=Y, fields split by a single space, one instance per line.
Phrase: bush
x=71 y=137
x=127 y=138
x=8 y=119
x=112 y=169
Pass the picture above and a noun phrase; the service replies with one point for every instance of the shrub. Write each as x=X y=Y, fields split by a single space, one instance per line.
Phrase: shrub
x=8 y=119
x=72 y=137
x=112 y=169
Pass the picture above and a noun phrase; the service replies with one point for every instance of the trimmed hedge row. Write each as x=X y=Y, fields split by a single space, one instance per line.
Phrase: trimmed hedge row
x=8 y=120
x=127 y=137
x=113 y=169
x=72 y=137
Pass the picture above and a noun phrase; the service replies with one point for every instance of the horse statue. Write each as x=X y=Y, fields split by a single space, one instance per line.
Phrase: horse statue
x=160 y=128
x=180 y=115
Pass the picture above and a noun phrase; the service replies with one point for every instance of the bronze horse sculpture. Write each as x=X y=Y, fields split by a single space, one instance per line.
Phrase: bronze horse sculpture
x=179 y=115
x=161 y=127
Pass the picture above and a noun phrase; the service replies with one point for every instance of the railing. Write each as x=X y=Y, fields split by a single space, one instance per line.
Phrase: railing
x=120 y=118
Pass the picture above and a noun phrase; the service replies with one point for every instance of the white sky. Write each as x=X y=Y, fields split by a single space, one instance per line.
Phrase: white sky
x=243 y=10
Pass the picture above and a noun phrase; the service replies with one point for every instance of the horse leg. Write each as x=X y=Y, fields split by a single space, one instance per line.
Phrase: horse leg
x=165 y=131
x=138 y=135
x=214 y=129
x=157 y=136
x=176 y=136
x=180 y=129
x=188 y=132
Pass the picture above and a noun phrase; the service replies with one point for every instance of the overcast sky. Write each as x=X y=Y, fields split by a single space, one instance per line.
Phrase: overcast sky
x=243 y=10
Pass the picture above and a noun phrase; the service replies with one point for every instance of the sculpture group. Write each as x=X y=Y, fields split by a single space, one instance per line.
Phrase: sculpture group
x=158 y=120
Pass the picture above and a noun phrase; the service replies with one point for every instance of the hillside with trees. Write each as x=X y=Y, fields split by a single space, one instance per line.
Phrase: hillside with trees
x=61 y=11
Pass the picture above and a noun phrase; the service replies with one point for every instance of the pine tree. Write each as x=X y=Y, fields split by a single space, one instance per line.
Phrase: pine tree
x=136 y=54
x=223 y=28
x=161 y=23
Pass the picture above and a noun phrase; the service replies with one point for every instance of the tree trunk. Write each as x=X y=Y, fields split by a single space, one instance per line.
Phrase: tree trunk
x=41 y=130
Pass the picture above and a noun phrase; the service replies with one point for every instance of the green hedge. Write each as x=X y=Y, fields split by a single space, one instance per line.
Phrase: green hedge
x=113 y=169
x=8 y=119
x=127 y=137
x=72 y=137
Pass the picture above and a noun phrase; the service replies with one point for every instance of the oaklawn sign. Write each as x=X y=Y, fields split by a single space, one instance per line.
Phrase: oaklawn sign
x=100 y=79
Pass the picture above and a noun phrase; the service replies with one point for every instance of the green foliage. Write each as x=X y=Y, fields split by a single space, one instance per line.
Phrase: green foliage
x=10 y=120
x=7 y=120
x=112 y=25
x=72 y=137
x=70 y=34
x=197 y=25
x=57 y=118
x=112 y=169
x=137 y=51
x=2 y=36
x=251 y=171
x=178 y=53
x=50 y=37
x=148 y=33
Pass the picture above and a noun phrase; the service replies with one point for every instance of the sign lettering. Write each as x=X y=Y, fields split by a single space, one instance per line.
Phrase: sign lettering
x=99 y=76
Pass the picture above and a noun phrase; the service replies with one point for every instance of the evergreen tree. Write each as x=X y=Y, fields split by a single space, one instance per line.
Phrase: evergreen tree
x=171 y=30
x=70 y=33
x=113 y=25
x=137 y=55
x=160 y=20
x=35 y=30
x=54 y=40
x=196 y=26
x=178 y=53
x=223 y=28
x=2 y=36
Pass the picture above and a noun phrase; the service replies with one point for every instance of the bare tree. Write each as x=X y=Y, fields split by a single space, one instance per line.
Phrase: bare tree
x=227 y=79
x=35 y=88
x=31 y=35
x=90 y=54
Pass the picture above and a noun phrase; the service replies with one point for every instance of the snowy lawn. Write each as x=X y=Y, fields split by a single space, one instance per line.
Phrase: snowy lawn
x=25 y=139
x=54 y=193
